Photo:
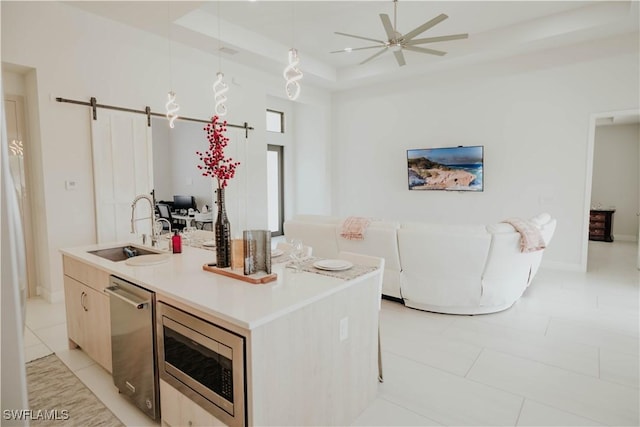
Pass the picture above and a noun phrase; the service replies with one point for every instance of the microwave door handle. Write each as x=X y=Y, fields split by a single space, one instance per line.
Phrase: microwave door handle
x=112 y=290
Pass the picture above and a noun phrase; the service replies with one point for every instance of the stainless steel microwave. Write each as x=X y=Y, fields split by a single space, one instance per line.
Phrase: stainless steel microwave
x=204 y=362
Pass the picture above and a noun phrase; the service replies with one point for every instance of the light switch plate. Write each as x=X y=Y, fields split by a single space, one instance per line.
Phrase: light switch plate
x=344 y=328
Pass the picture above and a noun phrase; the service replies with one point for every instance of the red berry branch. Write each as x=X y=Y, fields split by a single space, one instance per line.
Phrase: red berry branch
x=214 y=164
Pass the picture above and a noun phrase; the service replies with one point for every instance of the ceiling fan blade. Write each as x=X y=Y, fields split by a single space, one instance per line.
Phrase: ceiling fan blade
x=356 y=48
x=359 y=37
x=399 y=57
x=424 y=27
x=425 y=50
x=374 y=55
x=388 y=28
x=438 y=39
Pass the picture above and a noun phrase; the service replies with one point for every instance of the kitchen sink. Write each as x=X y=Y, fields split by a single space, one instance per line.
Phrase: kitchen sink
x=122 y=253
x=152 y=259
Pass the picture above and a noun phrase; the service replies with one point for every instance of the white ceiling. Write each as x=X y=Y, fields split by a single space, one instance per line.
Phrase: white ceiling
x=262 y=31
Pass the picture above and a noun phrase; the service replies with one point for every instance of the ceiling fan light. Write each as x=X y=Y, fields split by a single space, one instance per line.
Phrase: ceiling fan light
x=396 y=47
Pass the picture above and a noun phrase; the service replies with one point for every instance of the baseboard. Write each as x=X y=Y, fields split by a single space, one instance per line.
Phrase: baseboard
x=394 y=299
x=51 y=297
x=563 y=266
x=625 y=238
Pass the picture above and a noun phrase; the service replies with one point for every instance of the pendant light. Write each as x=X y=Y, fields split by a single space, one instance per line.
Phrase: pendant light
x=292 y=73
x=220 y=88
x=171 y=106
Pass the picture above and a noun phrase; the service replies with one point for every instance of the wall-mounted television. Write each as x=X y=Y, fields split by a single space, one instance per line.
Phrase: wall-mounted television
x=447 y=168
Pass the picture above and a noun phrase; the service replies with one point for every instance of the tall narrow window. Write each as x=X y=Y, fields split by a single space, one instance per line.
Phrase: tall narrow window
x=275 y=189
x=275 y=121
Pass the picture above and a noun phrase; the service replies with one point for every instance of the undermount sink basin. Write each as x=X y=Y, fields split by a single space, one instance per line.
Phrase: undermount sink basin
x=120 y=253
x=151 y=259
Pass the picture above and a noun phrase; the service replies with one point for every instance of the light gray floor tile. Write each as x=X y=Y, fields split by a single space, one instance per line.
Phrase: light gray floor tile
x=41 y=314
x=536 y=414
x=562 y=353
x=55 y=337
x=36 y=351
x=619 y=368
x=584 y=332
x=408 y=338
x=74 y=358
x=582 y=395
x=30 y=338
x=446 y=398
x=384 y=413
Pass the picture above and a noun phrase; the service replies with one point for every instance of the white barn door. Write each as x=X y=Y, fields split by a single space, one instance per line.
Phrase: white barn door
x=123 y=169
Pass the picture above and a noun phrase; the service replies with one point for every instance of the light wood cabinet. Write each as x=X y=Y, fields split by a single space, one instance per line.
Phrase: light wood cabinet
x=179 y=410
x=87 y=309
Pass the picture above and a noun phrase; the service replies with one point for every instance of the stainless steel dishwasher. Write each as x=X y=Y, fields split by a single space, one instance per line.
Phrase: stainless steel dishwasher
x=133 y=346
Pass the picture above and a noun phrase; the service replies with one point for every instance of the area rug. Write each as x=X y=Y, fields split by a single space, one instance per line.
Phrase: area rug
x=58 y=398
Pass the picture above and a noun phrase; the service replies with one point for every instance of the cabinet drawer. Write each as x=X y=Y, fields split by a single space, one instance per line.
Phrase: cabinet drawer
x=597 y=232
x=598 y=217
x=91 y=276
x=178 y=410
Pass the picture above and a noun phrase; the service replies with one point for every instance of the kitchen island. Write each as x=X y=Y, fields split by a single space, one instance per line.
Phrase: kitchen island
x=310 y=340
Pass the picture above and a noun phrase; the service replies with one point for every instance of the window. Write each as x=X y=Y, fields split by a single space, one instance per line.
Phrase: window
x=275 y=121
x=275 y=187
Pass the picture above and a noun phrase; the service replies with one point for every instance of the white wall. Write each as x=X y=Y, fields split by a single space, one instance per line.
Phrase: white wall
x=530 y=113
x=78 y=55
x=615 y=176
x=313 y=159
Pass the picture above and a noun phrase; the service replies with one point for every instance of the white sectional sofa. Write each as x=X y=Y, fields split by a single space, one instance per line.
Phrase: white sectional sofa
x=457 y=269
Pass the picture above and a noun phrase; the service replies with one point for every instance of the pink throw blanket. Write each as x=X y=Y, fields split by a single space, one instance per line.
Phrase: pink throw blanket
x=354 y=227
x=531 y=239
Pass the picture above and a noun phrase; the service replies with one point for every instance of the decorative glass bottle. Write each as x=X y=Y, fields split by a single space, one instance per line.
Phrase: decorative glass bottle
x=223 y=233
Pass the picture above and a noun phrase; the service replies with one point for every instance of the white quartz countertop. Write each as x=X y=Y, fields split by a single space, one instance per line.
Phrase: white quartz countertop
x=243 y=304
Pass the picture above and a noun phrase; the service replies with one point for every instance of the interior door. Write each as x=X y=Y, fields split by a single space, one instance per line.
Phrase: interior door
x=123 y=169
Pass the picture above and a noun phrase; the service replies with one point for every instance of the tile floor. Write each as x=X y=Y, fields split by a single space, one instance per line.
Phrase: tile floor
x=566 y=354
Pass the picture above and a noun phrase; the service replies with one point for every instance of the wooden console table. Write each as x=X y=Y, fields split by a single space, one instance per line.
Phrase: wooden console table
x=601 y=225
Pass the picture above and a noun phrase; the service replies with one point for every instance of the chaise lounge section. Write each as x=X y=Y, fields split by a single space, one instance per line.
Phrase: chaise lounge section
x=455 y=269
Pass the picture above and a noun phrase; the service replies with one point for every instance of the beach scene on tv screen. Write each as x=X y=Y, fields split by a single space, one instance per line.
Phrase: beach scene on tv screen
x=451 y=168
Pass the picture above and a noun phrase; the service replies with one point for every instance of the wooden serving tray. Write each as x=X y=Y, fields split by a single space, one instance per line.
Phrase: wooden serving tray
x=256 y=279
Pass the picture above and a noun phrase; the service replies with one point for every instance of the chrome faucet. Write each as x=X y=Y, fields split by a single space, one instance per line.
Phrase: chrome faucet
x=152 y=217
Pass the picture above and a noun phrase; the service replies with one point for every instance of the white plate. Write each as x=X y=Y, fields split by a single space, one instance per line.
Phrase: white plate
x=142 y=260
x=333 y=264
x=209 y=243
x=276 y=252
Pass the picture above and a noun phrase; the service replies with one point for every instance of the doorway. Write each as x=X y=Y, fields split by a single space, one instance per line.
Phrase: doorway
x=613 y=175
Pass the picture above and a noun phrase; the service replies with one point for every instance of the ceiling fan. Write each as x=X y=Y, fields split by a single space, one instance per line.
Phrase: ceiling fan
x=398 y=42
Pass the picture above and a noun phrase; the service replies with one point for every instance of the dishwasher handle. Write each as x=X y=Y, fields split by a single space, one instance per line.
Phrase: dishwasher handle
x=118 y=293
